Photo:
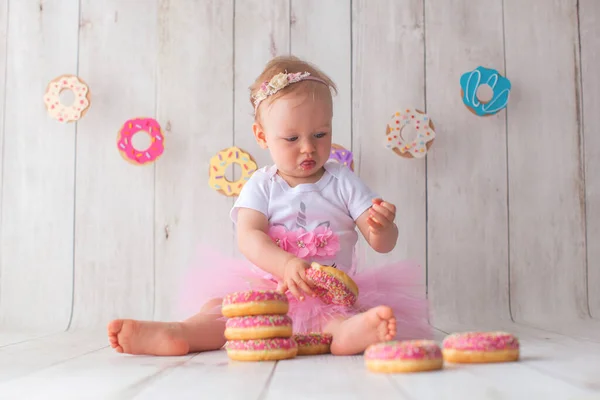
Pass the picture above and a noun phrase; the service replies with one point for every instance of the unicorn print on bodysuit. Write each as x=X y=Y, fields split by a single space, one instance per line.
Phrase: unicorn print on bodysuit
x=315 y=243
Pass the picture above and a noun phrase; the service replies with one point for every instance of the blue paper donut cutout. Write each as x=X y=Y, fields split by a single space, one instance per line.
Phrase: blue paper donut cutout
x=470 y=82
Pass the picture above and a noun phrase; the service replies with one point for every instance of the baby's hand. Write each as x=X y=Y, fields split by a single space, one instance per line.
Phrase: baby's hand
x=294 y=279
x=381 y=216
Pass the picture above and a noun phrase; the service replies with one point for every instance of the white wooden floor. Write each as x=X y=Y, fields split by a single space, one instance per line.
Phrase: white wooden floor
x=80 y=365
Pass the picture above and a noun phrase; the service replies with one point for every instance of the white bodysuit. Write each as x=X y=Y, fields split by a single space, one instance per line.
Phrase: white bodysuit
x=315 y=221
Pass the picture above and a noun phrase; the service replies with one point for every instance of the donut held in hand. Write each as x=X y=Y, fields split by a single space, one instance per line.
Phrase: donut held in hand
x=332 y=285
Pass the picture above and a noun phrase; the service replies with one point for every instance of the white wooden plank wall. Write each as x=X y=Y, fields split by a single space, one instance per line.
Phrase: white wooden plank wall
x=321 y=31
x=545 y=165
x=589 y=20
x=114 y=272
x=195 y=68
x=3 y=63
x=504 y=212
x=38 y=186
x=466 y=179
x=388 y=74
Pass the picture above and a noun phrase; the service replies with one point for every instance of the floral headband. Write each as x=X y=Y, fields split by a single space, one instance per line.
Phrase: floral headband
x=280 y=81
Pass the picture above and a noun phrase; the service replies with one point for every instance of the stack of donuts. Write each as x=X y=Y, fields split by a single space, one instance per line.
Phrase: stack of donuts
x=258 y=327
x=457 y=348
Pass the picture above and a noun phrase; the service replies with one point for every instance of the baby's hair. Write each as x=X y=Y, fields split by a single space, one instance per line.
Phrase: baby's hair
x=291 y=64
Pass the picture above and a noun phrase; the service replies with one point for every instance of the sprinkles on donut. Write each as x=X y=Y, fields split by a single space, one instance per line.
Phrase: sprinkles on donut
x=141 y=156
x=401 y=128
x=333 y=286
x=313 y=343
x=258 y=327
x=218 y=165
x=254 y=302
x=341 y=155
x=404 y=356
x=480 y=347
x=262 y=349
x=58 y=110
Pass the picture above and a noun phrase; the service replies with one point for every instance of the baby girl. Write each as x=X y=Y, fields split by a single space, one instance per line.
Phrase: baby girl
x=302 y=208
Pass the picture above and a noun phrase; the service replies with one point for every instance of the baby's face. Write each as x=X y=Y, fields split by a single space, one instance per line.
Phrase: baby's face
x=298 y=134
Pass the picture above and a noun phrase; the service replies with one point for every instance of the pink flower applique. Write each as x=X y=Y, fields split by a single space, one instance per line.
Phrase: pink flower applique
x=279 y=235
x=301 y=243
x=326 y=242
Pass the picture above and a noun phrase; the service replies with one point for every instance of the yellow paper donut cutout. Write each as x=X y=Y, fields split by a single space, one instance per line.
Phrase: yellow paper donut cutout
x=218 y=165
x=58 y=110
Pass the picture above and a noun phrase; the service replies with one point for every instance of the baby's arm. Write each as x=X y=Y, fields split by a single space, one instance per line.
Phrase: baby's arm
x=378 y=227
x=260 y=250
x=256 y=245
x=373 y=216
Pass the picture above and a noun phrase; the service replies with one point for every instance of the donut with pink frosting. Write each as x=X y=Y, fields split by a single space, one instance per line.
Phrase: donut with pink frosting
x=404 y=356
x=258 y=327
x=262 y=349
x=332 y=285
x=313 y=343
x=141 y=156
x=480 y=347
x=254 y=302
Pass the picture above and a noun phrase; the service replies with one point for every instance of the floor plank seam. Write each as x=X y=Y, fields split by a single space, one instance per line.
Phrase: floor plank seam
x=398 y=387
x=569 y=381
x=264 y=392
x=138 y=387
x=55 y=363
x=30 y=339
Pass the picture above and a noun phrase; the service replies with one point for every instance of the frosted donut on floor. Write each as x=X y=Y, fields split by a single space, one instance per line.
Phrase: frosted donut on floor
x=262 y=349
x=258 y=327
x=254 y=302
x=480 y=347
x=404 y=356
x=313 y=343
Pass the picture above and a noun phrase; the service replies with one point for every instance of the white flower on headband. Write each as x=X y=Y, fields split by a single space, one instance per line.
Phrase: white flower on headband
x=278 y=82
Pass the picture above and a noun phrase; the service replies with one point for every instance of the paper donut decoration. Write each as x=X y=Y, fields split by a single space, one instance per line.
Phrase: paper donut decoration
x=141 y=156
x=58 y=110
x=218 y=165
x=341 y=155
x=396 y=134
x=484 y=78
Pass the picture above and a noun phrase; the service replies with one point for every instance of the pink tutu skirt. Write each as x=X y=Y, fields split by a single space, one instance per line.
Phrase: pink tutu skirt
x=396 y=285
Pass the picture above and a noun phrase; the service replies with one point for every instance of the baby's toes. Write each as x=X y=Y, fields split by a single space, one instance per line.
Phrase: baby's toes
x=392 y=333
x=392 y=328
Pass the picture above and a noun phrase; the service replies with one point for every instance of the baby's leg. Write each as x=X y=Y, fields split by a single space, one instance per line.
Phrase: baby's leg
x=355 y=334
x=201 y=332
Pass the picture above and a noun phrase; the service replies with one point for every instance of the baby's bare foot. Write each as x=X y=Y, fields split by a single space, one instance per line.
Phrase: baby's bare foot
x=146 y=337
x=355 y=334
